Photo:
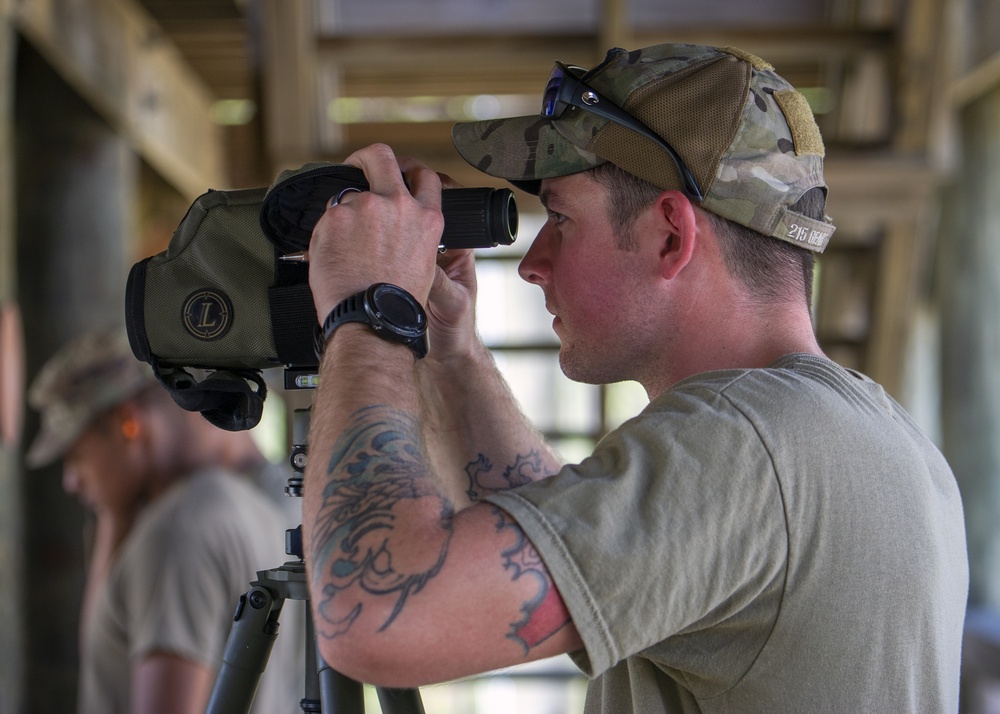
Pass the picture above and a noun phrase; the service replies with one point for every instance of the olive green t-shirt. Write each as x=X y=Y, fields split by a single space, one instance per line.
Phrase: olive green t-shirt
x=175 y=585
x=768 y=540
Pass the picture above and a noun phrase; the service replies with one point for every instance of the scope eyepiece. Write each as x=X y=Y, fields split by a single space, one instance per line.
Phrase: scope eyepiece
x=478 y=217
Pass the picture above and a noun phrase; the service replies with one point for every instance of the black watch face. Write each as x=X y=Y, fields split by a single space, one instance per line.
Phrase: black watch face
x=398 y=310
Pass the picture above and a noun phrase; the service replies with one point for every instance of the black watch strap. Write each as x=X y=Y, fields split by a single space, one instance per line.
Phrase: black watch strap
x=355 y=308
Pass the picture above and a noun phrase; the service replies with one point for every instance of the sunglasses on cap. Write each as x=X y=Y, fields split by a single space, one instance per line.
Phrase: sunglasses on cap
x=566 y=88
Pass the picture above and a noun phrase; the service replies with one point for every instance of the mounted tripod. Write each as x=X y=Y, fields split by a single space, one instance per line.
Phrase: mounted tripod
x=255 y=628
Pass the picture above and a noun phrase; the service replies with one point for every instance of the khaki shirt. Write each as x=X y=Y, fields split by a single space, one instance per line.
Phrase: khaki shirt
x=770 y=540
x=175 y=585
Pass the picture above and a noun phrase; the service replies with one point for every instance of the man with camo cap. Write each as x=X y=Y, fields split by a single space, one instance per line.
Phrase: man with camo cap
x=771 y=534
x=180 y=531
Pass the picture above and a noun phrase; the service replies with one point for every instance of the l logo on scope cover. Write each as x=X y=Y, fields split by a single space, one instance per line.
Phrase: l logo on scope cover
x=207 y=314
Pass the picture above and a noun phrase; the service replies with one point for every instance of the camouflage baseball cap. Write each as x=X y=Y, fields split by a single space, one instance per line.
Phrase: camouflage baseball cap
x=86 y=377
x=748 y=137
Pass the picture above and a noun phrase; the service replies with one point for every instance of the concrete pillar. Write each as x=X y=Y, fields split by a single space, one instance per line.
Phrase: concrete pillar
x=75 y=180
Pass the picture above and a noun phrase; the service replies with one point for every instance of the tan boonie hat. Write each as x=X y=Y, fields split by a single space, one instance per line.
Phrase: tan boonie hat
x=85 y=378
x=748 y=137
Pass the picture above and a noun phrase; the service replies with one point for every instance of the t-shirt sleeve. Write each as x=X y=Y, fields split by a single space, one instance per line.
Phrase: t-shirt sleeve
x=674 y=524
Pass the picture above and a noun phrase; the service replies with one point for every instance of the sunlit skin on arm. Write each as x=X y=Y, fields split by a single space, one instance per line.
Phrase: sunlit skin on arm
x=411 y=592
x=410 y=584
x=376 y=482
x=478 y=439
x=164 y=683
x=365 y=552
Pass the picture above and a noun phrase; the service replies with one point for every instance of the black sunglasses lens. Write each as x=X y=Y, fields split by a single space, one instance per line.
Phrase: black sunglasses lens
x=551 y=96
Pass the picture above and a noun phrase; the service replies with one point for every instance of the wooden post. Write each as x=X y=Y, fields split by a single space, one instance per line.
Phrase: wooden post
x=615 y=29
x=11 y=524
x=970 y=289
x=291 y=115
x=75 y=183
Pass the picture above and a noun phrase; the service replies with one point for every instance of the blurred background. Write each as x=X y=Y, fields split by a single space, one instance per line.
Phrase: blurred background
x=116 y=114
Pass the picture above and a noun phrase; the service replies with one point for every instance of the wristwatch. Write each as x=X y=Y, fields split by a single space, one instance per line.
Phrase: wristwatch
x=391 y=312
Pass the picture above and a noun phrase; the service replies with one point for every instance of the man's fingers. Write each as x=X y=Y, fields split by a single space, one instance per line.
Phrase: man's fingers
x=380 y=167
x=424 y=184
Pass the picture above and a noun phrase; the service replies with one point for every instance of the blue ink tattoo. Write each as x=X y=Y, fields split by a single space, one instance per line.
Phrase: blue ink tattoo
x=526 y=468
x=545 y=613
x=377 y=473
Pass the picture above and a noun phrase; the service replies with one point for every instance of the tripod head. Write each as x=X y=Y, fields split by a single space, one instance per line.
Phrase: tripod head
x=299 y=455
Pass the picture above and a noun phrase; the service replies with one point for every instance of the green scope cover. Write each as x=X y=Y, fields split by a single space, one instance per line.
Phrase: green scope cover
x=219 y=299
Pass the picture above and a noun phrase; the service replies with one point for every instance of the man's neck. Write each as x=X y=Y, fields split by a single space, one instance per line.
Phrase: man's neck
x=749 y=338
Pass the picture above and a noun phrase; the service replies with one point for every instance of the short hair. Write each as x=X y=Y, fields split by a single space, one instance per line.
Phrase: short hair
x=770 y=268
x=628 y=197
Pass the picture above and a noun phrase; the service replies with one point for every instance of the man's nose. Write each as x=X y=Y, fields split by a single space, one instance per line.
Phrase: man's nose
x=534 y=266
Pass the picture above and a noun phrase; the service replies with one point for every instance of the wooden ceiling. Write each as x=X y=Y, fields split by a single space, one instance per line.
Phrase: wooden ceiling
x=292 y=58
x=216 y=39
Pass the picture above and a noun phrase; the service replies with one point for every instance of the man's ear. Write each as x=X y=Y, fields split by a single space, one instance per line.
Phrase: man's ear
x=128 y=418
x=680 y=232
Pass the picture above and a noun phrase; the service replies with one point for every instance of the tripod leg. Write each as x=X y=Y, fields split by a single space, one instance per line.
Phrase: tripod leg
x=254 y=630
x=400 y=701
x=339 y=693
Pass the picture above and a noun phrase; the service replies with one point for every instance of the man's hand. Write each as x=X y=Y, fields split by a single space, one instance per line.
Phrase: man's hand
x=451 y=307
x=389 y=233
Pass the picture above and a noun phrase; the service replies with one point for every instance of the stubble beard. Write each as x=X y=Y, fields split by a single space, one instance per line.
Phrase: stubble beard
x=586 y=365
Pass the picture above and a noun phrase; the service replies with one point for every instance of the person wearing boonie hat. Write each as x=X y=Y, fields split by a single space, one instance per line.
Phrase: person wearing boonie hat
x=771 y=533
x=93 y=374
x=180 y=531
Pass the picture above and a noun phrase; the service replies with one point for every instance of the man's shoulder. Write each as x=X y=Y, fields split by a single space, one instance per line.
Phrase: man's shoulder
x=796 y=400
x=211 y=500
x=794 y=368
x=789 y=379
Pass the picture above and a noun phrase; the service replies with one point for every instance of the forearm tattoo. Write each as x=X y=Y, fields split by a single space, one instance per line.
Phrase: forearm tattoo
x=377 y=474
x=482 y=482
x=545 y=613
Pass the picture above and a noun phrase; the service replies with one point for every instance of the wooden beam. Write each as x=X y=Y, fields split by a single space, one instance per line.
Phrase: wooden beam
x=434 y=66
x=489 y=54
x=921 y=72
x=780 y=47
x=977 y=82
x=500 y=53
x=113 y=55
x=8 y=274
x=867 y=189
x=903 y=248
x=425 y=73
x=290 y=82
x=864 y=112
x=892 y=196
x=615 y=30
